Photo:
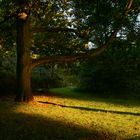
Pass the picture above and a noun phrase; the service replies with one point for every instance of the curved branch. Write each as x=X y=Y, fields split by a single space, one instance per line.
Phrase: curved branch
x=128 y=6
x=62 y=59
x=58 y=59
x=114 y=33
x=72 y=58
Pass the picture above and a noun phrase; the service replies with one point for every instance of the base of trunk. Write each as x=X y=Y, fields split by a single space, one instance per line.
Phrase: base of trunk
x=24 y=99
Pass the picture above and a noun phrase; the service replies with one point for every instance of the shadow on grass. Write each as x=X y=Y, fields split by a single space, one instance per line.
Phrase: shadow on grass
x=93 y=109
x=23 y=126
x=126 y=100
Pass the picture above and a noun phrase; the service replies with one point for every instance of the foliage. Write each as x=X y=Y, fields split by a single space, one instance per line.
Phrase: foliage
x=68 y=74
x=93 y=20
x=7 y=70
x=52 y=76
x=45 y=77
x=116 y=71
x=7 y=82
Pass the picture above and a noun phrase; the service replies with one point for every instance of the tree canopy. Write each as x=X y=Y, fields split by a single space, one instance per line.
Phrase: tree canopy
x=58 y=31
x=69 y=25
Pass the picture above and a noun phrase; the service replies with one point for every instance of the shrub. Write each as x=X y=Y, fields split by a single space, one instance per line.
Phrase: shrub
x=7 y=82
x=45 y=79
x=106 y=75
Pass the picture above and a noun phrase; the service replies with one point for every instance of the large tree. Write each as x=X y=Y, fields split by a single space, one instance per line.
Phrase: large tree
x=57 y=31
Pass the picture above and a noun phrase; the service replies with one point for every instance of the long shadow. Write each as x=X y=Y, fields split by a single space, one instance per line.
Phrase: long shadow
x=92 y=109
x=15 y=125
x=30 y=126
x=121 y=100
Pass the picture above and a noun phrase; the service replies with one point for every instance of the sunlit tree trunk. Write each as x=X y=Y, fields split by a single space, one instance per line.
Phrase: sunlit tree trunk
x=23 y=59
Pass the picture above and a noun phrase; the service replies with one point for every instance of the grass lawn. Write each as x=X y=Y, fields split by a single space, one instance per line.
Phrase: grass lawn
x=63 y=114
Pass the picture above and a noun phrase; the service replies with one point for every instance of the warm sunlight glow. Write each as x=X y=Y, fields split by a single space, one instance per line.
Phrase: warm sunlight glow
x=72 y=114
x=22 y=16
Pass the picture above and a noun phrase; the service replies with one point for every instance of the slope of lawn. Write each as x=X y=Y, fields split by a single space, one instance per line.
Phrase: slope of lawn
x=63 y=114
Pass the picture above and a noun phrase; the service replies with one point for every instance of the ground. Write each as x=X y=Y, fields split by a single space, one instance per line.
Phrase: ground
x=65 y=114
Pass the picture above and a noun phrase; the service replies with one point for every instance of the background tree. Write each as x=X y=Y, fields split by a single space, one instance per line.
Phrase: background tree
x=116 y=71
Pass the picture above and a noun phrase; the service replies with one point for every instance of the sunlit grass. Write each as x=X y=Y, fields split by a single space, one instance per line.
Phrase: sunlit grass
x=63 y=116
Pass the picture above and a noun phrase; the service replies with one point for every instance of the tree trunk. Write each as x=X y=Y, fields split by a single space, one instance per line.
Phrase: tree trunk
x=24 y=92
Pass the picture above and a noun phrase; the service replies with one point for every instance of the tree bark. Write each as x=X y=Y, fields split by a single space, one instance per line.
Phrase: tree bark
x=24 y=92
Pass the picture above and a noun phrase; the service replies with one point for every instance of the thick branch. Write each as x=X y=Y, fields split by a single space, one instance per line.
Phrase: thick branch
x=58 y=59
x=61 y=59
x=105 y=46
x=72 y=58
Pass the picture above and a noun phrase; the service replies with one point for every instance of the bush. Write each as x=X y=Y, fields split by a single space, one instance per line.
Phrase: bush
x=105 y=75
x=45 y=79
x=7 y=82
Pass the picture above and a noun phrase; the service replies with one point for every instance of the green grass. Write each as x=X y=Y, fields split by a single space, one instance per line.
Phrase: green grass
x=64 y=114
